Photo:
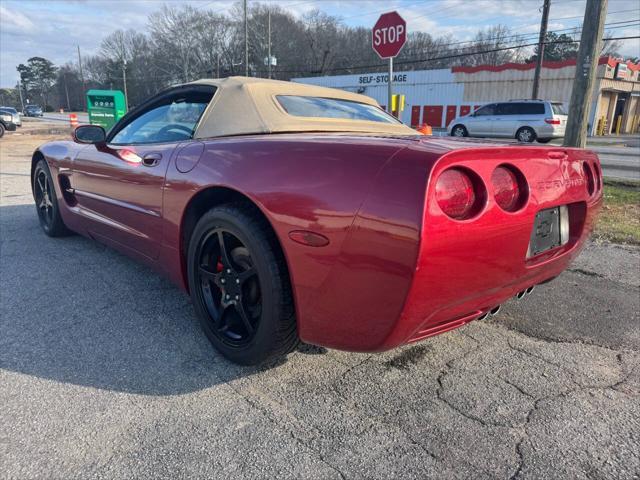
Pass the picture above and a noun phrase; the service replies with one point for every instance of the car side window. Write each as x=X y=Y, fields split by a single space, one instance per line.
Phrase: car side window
x=506 y=109
x=530 y=108
x=486 y=110
x=171 y=119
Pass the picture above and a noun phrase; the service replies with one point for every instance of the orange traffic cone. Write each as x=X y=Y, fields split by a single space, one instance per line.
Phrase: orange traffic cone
x=425 y=129
x=73 y=120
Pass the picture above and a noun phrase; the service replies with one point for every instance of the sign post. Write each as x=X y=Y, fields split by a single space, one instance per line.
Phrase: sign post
x=388 y=36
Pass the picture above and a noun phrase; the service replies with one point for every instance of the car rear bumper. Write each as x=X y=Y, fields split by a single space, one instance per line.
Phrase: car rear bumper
x=466 y=269
x=551 y=131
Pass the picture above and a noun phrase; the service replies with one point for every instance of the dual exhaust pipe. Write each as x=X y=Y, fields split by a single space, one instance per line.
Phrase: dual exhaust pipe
x=491 y=313
x=523 y=293
x=495 y=310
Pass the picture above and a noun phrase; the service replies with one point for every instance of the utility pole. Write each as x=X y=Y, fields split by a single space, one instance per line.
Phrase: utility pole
x=84 y=88
x=543 y=36
x=66 y=91
x=218 y=66
x=586 y=66
x=124 y=82
x=246 y=42
x=269 y=41
x=20 y=93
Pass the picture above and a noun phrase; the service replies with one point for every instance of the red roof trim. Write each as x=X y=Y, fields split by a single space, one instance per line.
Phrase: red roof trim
x=530 y=66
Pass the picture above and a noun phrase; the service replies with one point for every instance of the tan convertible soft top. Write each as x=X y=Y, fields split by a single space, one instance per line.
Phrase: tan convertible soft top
x=243 y=106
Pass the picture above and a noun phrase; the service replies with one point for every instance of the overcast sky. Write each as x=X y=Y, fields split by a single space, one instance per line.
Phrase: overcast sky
x=53 y=28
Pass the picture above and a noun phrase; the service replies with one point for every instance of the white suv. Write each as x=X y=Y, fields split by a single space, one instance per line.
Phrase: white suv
x=524 y=120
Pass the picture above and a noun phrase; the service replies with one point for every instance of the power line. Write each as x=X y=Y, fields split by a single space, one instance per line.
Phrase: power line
x=458 y=55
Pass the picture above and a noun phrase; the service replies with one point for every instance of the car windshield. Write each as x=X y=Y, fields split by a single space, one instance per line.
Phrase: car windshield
x=558 y=109
x=320 y=107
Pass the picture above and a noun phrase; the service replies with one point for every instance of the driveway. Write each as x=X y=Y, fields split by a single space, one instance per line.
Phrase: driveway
x=106 y=374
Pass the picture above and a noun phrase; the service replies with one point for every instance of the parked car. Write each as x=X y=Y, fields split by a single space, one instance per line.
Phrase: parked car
x=6 y=122
x=33 y=111
x=17 y=119
x=524 y=120
x=290 y=211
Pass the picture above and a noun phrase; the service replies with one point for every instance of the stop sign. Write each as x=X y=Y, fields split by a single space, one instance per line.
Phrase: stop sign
x=389 y=35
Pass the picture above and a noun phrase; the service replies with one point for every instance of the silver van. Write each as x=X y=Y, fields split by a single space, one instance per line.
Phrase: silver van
x=524 y=120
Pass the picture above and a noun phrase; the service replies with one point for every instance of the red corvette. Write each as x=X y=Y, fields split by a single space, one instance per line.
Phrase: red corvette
x=296 y=212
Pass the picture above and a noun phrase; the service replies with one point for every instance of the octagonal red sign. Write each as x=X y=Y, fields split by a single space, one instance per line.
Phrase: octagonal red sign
x=389 y=35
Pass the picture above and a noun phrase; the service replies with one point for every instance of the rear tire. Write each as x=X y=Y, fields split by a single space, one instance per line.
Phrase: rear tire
x=240 y=286
x=459 y=131
x=526 y=135
x=47 y=208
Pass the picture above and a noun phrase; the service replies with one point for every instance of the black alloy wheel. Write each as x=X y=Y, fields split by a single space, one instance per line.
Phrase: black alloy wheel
x=240 y=286
x=229 y=287
x=44 y=195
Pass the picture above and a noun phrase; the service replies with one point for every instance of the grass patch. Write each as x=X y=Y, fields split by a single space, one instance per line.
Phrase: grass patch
x=619 y=220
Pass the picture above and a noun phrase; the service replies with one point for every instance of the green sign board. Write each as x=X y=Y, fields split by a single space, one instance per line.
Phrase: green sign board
x=105 y=107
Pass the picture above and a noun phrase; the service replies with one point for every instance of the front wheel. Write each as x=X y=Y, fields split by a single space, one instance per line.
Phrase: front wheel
x=240 y=286
x=46 y=202
x=459 y=131
x=526 y=135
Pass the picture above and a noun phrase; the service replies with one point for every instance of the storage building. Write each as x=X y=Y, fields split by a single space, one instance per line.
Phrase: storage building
x=436 y=97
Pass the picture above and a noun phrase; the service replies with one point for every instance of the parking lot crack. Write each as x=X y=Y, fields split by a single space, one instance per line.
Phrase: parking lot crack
x=588 y=273
x=267 y=414
x=518 y=388
x=440 y=390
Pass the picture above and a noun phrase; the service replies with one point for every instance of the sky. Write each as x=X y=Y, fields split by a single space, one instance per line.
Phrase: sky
x=53 y=28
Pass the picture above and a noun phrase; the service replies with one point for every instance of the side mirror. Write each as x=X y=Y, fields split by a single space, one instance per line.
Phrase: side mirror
x=89 y=134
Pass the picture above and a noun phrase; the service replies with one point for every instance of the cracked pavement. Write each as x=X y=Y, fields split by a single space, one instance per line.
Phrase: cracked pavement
x=105 y=374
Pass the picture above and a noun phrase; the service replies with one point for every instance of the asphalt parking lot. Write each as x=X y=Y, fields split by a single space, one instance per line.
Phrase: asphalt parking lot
x=105 y=374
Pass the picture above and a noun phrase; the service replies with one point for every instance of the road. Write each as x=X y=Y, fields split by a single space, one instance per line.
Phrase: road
x=619 y=162
x=64 y=117
x=106 y=374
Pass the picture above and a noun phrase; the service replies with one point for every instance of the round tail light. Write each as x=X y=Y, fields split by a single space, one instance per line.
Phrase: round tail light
x=591 y=183
x=509 y=188
x=458 y=193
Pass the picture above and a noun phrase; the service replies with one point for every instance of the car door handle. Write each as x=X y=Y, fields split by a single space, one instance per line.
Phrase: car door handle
x=151 y=159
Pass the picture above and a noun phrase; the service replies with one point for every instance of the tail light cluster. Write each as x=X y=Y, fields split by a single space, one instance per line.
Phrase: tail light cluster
x=461 y=193
x=552 y=121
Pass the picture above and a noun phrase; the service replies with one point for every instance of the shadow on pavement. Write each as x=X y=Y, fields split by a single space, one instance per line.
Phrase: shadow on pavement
x=72 y=310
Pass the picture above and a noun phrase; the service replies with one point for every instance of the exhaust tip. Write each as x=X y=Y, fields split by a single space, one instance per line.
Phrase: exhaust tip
x=495 y=310
x=521 y=294
x=483 y=316
x=530 y=289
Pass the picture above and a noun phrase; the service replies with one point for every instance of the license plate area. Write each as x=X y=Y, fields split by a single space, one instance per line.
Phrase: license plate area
x=550 y=230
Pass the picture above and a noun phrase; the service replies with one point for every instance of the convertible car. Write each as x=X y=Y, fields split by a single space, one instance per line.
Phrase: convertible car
x=292 y=212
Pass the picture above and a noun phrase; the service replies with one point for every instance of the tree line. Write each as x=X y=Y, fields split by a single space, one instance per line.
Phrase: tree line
x=185 y=43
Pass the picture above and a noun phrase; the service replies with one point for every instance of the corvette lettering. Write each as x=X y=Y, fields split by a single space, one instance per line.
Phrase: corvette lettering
x=560 y=183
